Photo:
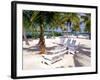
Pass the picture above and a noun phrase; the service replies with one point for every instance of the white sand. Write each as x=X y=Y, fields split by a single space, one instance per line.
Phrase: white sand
x=32 y=60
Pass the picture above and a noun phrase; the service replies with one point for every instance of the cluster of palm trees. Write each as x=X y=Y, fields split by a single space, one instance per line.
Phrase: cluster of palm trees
x=87 y=21
x=41 y=20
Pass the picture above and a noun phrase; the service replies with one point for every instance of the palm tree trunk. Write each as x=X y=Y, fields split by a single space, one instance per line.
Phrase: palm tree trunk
x=42 y=40
x=53 y=34
x=89 y=35
x=25 y=38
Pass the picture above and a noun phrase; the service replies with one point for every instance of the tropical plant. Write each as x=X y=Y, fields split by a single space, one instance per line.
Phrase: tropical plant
x=43 y=19
x=87 y=22
x=72 y=21
x=26 y=24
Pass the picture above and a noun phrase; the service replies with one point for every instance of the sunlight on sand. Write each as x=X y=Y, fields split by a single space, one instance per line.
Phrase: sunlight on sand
x=33 y=60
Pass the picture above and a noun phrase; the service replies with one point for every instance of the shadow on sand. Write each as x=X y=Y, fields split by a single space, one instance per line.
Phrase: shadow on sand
x=36 y=48
x=83 y=58
x=31 y=48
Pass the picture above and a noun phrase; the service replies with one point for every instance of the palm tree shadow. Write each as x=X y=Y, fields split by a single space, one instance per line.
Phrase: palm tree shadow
x=50 y=48
x=83 y=51
x=77 y=63
x=32 y=48
x=36 y=48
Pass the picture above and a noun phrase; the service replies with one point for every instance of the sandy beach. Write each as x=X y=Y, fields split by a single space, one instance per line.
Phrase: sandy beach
x=33 y=60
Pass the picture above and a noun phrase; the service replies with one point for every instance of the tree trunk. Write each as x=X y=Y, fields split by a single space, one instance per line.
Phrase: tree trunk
x=25 y=38
x=76 y=34
x=89 y=35
x=53 y=34
x=42 y=41
x=67 y=32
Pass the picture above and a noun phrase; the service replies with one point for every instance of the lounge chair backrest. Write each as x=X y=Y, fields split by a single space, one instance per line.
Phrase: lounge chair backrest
x=73 y=43
x=68 y=42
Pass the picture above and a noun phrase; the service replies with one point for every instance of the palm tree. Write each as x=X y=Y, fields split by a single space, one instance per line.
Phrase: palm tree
x=45 y=19
x=26 y=24
x=87 y=22
x=72 y=21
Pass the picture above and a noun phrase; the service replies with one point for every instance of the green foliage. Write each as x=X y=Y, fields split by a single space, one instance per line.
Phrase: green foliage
x=26 y=18
x=36 y=35
x=87 y=21
x=33 y=19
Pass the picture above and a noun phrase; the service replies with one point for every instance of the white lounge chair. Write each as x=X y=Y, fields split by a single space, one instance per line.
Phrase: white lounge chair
x=56 y=56
x=72 y=48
